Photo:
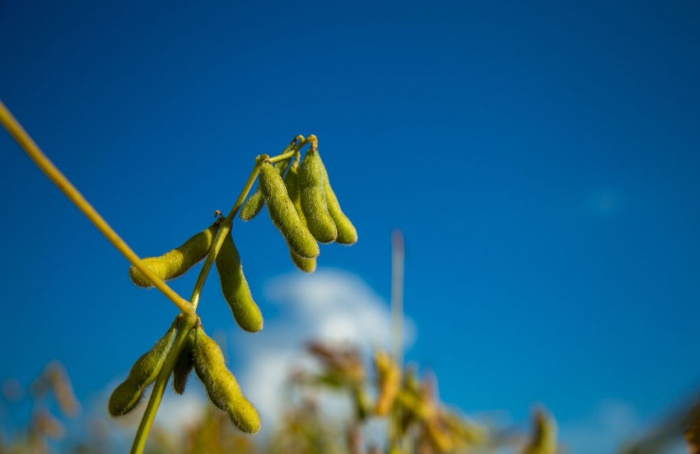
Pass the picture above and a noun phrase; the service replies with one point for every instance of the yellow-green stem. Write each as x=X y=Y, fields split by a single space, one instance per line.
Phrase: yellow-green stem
x=188 y=317
x=66 y=187
x=224 y=229
x=225 y=226
x=187 y=322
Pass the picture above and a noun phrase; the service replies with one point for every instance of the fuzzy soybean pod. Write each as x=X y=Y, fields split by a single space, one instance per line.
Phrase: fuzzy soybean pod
x=176 y=262
x=235 y=287
x=291 y=181
x=313 y=198
x=256 y=201
x=221 y=385
x=145 y=370
x=283 y=214
x=347 y=234
x=304 y=264
x=183 y=365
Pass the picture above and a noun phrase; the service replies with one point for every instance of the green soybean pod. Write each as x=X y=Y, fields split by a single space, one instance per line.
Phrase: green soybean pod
x=252 y=206
x=221 y=385
x=235 y=287
x=291 y=181
x=304 y=264
x=313 y=198
x=256 y=201
x=183 y=365
x=125 y=397
x=283 y=214
x=347 y=234
x=176 y=262
x=144 y=371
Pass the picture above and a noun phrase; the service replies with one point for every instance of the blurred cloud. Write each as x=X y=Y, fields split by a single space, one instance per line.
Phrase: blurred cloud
x=328 y=305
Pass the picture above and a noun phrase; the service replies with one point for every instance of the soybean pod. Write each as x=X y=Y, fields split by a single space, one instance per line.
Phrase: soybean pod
x=235 y=287
x=313 y=198
x=256 y=201
x=176 y=262
x=291 y=181
x=284 y=215
x=221 y=385
x=145 y=370
x=183 y=365
x=347 y=234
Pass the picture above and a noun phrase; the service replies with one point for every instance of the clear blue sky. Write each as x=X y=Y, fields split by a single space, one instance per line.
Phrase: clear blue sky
x=542 y=159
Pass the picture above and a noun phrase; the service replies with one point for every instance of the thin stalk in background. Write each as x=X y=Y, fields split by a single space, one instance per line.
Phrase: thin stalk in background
x=397 y=265
x=397 y=272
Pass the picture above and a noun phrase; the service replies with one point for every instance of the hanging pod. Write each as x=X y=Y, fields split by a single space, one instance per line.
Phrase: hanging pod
x=304 y=264
x=221 y=385
x=256 y=201
x=313 y=198
x=291 y=181
x=283 y=214
x=144 y=371
x=183 y=365
x=235 y=287
x=176 y=262
x=347 y=234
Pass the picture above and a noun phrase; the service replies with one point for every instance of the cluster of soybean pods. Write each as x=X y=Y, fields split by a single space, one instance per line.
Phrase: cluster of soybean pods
x=303 y=206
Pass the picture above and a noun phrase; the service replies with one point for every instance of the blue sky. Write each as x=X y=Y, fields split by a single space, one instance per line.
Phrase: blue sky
x=542 y=160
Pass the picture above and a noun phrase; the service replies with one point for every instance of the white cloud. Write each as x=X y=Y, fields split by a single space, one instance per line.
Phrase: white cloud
x=327 y=305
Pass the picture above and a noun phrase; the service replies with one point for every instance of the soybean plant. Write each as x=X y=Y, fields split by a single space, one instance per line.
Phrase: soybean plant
x=299 y=200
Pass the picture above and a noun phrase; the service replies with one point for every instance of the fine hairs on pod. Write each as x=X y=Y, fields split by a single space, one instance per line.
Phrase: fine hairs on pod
x=291 y=181
x=128 y=394
x=283 y=214
x=313 y=198
x=176 y=262
x=347 y=234
x=255 y=202
x=235 y=287
x=221 y=385
x=184 y=365
x=304 y=264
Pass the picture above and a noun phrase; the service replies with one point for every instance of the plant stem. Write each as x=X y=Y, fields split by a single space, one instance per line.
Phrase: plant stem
x=227 y=223
x=66 y=187
x=187 y=322
x=224 y=229
x=188 y=317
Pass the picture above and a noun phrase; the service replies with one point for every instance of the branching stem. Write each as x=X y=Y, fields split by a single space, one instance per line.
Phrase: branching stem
x=224 y=229
x=188 y=318
x=187 y=323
